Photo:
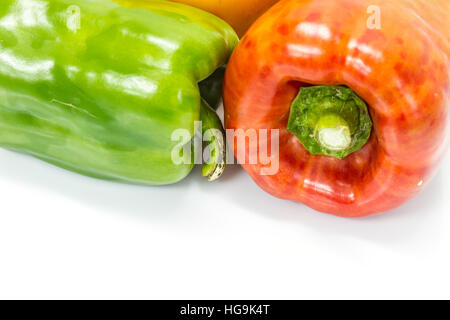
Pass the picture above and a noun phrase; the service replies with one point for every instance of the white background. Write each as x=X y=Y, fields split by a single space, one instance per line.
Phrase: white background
x=63 y=235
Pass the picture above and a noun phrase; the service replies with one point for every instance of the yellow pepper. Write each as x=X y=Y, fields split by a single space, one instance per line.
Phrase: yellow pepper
x=240 y=14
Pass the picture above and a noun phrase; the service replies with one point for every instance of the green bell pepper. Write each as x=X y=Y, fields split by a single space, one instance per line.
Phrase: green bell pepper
x=99 y=86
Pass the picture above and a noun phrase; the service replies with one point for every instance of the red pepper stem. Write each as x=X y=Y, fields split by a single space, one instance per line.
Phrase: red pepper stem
x=330 y=120
x=333 y=132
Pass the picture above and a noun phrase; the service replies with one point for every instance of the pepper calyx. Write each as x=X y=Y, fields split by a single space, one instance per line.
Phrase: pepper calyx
x=330 y=120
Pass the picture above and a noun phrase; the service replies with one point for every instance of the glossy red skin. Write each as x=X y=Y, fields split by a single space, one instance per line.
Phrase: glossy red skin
x=402 y=71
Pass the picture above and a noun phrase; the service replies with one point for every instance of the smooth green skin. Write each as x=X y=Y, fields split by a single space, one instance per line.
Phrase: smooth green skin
x=103 y=100
x=321 y=107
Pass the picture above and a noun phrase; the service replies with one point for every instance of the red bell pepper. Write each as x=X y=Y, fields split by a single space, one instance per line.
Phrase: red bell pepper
x=360 y=93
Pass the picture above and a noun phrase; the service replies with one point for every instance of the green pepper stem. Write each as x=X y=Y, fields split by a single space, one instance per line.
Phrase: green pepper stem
x=330 y=120
x=213 y=131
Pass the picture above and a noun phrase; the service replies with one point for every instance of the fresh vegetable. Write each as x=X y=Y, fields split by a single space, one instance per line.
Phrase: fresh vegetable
x=239 y=13
x=314 y=69
x=99 y=87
